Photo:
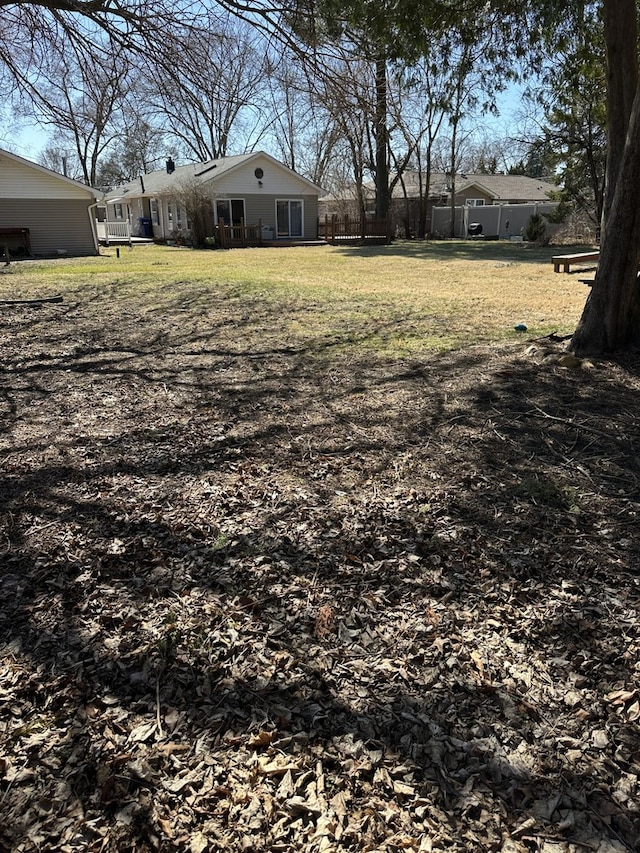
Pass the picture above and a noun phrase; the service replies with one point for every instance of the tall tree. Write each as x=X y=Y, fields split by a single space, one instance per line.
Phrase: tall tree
x=321 y=25
x=419 y=103
x=62 y=160
x=611 y=317
x=208 y=88
x=77 y=95
x=462 y=93
x=344 y=92
x=30 y=28
x=140 y=148
x=571 y=139
x=302 y=128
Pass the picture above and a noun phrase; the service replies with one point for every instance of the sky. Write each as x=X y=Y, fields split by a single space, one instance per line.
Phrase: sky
x=27 y=144
x=30 y=139
x=27 y=141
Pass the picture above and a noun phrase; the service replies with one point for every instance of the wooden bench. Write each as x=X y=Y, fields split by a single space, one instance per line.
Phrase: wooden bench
x=23 y=235
x=565 y=261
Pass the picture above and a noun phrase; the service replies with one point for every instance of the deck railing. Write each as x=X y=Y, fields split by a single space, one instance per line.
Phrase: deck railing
x=228 y=236
x=117 y=231
x=337 y=229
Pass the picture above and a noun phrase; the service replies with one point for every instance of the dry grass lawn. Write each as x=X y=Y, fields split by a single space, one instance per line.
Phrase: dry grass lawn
x=399 y=300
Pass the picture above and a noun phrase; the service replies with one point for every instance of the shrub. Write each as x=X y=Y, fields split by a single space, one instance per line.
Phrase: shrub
x=536 y=230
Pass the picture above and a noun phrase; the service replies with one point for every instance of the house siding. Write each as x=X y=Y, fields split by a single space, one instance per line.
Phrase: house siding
x=54 y=224
x=258 y=207
x=262 y=208
x=473 y=192
x=277 y=180
x=18 y=180
x=136 y=211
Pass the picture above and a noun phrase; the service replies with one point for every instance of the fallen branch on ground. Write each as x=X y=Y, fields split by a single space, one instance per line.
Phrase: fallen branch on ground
x=30 y=301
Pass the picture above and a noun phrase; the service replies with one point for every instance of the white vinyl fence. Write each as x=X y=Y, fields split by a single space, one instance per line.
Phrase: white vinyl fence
x=498 y=220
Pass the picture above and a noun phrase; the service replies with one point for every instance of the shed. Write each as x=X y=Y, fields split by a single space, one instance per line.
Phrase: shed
x=42 y=212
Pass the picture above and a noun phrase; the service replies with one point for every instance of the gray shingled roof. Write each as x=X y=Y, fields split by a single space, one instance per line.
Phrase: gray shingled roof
x=157 y=183
x=498 y=186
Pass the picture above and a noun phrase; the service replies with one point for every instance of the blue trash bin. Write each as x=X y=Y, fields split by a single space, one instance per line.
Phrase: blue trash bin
x=146 y=227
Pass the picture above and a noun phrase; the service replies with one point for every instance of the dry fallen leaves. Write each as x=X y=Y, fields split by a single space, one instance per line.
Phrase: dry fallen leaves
x=258 y=601
x=325 y=622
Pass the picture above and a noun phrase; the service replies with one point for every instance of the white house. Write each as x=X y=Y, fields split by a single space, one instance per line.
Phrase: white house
x=246 y=189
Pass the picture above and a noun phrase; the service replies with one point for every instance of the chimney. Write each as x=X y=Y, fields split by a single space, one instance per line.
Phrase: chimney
x=171 y=166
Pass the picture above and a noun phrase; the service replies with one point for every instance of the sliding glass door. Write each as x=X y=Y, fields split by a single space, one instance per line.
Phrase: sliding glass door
x=289 y=217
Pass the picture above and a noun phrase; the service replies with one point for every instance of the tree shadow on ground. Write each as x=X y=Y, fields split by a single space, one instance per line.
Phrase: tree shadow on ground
x=178 y=517
x=452 y=250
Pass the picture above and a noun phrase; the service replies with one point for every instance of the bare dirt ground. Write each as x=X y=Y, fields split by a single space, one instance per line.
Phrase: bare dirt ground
x=258 y=595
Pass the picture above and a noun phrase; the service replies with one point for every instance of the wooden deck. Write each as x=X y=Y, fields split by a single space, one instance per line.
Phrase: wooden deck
x=243 y=236
x=347 y=230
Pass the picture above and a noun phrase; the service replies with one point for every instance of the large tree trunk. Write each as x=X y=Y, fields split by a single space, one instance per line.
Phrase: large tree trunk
x=610 y=320
x=611 y=316
x=452 y=185
x=382 y=139
x=622 y=75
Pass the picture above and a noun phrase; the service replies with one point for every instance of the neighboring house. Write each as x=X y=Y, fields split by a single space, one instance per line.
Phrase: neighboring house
x=478 y=190
x=470 y=190
x=247 y=189
x=49 y=215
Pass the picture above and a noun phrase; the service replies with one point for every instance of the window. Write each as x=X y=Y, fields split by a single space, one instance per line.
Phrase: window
x=117 y=211
x=182 y=218
x=289 y=217
x=155 y=215
x=231 y=210
x=475 y=202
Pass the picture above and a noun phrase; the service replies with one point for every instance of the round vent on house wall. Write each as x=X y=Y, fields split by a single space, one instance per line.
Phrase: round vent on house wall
x=259 y=173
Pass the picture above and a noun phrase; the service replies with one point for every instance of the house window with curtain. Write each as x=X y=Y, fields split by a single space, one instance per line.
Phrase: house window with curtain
x=289 y=217
x=117 y=211
x=182 y=218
